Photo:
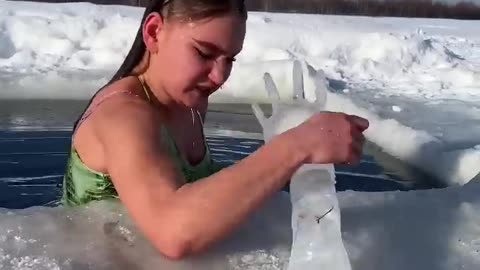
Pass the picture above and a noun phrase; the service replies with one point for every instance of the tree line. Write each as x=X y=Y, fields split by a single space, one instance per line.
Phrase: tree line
x=387 y=8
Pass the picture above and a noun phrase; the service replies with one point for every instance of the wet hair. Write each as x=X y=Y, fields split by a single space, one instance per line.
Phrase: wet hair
x=179 y=10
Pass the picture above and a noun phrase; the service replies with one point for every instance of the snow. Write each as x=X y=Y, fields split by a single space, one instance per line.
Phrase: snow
x=428 y=229
x=416 y=80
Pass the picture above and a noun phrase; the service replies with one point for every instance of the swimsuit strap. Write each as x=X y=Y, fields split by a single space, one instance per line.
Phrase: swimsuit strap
x=102 y=99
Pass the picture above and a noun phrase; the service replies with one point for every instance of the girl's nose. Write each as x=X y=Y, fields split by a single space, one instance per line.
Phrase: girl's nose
x=220 y=72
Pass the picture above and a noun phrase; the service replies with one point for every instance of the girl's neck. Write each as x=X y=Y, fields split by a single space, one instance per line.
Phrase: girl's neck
x=160 y=99
x=157 y=97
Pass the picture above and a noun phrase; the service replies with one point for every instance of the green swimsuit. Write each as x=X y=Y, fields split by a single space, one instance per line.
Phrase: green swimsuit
x=82 y=185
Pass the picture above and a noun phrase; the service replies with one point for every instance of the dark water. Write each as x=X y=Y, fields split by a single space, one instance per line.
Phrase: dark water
x=32 y=165
x=32 y=161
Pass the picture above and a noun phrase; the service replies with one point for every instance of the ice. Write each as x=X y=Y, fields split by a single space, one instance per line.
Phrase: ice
x=316 y=225
x=429 y=229
x=102 y=236
x=396 y=108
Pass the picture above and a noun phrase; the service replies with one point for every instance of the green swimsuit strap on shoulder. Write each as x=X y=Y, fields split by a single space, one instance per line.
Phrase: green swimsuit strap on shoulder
x=82 y=185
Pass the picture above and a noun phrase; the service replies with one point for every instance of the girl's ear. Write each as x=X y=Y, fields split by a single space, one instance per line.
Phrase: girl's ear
x=151 y=27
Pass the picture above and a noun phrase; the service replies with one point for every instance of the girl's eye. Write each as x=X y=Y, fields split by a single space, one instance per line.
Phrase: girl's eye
x=208 y=56
x=204 y=54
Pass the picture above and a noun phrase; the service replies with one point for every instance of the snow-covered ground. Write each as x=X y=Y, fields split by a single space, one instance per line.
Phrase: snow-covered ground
x=416 y=80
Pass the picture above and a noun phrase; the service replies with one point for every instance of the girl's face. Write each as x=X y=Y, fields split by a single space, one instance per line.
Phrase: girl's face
x=191 y=60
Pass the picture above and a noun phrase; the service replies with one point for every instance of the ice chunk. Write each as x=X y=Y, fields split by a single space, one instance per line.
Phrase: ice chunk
x=101 y=236
x=316 y=227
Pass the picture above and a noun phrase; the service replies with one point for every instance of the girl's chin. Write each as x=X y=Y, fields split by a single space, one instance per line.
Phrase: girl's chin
x=194 y=99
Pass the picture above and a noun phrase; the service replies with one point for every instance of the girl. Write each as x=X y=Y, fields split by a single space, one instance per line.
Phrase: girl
x=141 y=137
